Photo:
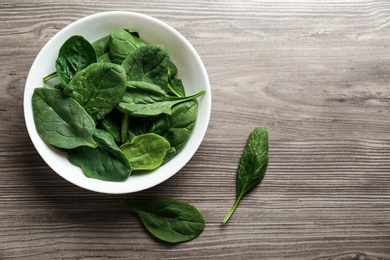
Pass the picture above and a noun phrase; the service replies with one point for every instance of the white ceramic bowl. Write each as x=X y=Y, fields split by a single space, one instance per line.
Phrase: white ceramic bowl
x=190 y=69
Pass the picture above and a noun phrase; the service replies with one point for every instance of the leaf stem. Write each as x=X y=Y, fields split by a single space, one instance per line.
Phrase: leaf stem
x=50 y=76
x=174 y=91
x=231 y=210
x=202 y=92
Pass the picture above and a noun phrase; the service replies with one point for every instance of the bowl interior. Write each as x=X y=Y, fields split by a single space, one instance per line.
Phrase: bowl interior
x=190 y=69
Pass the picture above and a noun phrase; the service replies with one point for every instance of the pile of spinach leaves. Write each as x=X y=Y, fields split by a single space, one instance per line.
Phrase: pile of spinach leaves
x=118 y=107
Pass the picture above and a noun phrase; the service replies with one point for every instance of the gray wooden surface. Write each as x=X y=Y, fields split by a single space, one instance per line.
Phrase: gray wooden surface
x=315 y=73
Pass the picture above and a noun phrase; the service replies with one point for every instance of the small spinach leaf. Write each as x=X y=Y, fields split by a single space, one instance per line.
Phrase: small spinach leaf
x=148 y=63
x=170 y=154
x=98 y=88
x=177 y=127
x=135 y=126
x=176 y=87
x=146 y=99
x=122 y=43
x=146 y=152
x=60 y=120
x=172 y=69
x=252 y=167
x=106 y=162
x=74 y=55
x=168 y=219
x=124 y=127
x=101 y=46
x=111 y=123
x=138 y=126
x=104 y=58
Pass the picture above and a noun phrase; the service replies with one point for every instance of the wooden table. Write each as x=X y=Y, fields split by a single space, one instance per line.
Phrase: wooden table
x=316 y=74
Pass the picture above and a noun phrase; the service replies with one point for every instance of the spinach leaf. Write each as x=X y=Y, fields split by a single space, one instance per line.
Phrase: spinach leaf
x=146 y=99
x=170 y=154
x=106 y=162
x=122 y=43
x=101 y=46
x=172 y=69
x=176 y=87
x=111 y=123
x=168 y=219
x=146 y=152
x=74 y=55
x=133 y=126
x=60 y=120
x=148 y=63
x=177 y=127
x=104 y=58
x=138 y=126
x=252 y=167
x=124 y=127
x=98 y=88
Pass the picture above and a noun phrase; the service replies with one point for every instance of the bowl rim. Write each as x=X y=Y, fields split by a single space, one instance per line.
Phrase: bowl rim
x=118 y=188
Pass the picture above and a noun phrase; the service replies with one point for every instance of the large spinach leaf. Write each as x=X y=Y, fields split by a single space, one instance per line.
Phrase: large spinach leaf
x=105 y=162
x=146 y=99
x=169 y=219
x=122 y=43
x=146 y=152
x=60 y=120
x=74 y=55
x=148 y=63
x=177 y=127
x=98 y=88
x=252 y=167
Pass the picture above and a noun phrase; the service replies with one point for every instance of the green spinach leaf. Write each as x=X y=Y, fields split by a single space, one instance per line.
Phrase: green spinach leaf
x=168 y=219
x=74 y=55
x=101 y=46
x=176 y=87
x=104 y=58
x=138 y=126
x=172 y=69
x=146 y=152
x=146 y=99
x=60 y=120
x=124 y=127
x=148 y=63
x=177 y=127
x=106 y=162
x=98 y=88
x=122 y=43
x=112 y=124
x=252 y=167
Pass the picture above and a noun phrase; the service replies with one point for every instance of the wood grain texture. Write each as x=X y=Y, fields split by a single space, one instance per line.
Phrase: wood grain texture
x=315 y=73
